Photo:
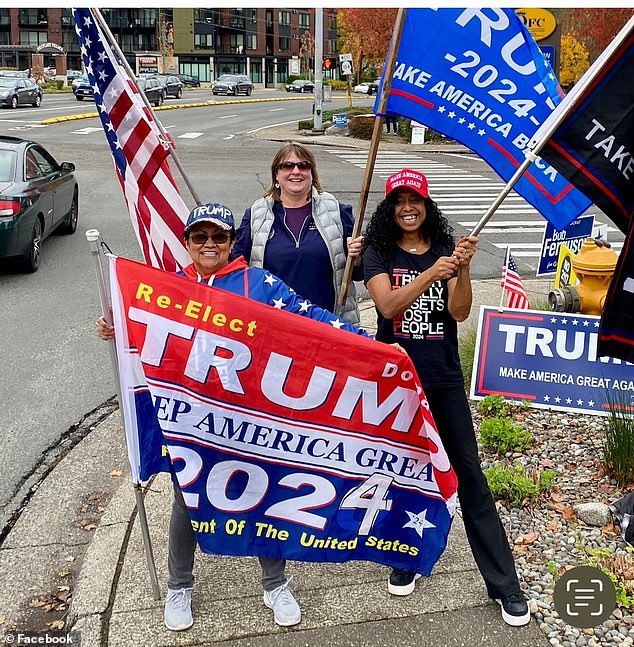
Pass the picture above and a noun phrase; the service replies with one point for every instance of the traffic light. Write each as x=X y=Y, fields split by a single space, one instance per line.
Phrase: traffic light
x=330 y=63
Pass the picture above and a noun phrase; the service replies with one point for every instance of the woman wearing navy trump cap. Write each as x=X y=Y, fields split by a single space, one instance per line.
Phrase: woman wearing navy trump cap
x=419 y=279
x=209 y=236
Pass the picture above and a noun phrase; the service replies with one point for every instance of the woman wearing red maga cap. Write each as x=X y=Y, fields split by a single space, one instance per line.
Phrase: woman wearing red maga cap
x=419 y=279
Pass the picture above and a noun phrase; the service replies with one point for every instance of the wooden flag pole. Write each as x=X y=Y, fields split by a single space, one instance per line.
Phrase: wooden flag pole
x=103 y=25
x=374 y=146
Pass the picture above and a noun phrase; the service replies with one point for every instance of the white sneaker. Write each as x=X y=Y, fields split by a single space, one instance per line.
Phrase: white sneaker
x=178 y=609
x=286 y=611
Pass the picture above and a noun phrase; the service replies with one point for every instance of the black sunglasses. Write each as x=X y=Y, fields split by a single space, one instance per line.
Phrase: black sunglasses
x=304 y=165
x=200 y=237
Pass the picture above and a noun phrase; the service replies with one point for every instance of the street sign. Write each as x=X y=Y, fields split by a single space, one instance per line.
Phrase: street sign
x=346 y=67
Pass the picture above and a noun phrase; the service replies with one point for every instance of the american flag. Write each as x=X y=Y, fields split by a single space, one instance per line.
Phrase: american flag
x=139 y=151
x=512 y=283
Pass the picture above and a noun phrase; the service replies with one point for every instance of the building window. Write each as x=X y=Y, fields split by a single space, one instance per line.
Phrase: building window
x=5 y=17
x=332 y=23
x=252 y=41
x=203 y=41
x=4 y=38
x=236 y=42
x=332 y=46
x=285 y=44
x=284 y=17
x=304 y=21
x=67 y=18
x=256 y=72
x=34 y=17
x=251 y=15
x=205 y=15
x=33 y=38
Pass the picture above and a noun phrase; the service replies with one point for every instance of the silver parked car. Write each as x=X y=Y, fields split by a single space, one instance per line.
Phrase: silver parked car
x=232 y=84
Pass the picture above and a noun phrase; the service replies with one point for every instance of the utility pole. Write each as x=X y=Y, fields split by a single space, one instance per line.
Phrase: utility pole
x=318 y=124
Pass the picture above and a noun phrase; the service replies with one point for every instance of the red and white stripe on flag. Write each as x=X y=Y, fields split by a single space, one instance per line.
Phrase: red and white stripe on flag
x=139 y=151
x=512 y=283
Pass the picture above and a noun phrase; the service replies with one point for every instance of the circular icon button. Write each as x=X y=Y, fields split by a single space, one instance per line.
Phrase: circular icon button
x=584 y=597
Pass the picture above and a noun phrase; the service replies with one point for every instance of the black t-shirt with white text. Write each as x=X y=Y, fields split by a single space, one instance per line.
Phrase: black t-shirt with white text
x=426 y=330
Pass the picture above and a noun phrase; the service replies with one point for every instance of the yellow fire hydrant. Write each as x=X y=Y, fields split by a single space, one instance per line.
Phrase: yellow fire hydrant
x=594 y=266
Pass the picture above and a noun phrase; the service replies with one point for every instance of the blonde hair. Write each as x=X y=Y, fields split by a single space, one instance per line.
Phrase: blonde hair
x=304 y=154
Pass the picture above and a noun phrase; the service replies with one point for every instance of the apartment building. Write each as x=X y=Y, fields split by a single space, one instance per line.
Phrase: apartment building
x=265 y=43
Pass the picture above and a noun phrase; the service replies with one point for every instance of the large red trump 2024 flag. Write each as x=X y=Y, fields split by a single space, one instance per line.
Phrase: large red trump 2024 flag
x=288 y=438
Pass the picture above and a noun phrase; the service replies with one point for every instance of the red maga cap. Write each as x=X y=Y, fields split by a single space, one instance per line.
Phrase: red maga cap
x=409 y=179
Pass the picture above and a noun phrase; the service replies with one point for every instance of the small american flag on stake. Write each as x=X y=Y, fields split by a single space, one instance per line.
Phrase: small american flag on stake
x=512 y=283
x=139 y=151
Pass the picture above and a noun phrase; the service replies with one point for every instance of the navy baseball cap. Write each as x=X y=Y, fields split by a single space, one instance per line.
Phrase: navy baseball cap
x=212 y=212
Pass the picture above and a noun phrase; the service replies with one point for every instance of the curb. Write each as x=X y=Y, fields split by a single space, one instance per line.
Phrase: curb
x=198 y=104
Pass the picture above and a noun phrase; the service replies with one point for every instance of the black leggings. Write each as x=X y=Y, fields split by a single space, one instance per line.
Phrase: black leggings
x=486 y=535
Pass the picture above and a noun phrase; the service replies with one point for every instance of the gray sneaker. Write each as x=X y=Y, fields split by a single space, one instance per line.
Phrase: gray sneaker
x=178 y=609
x=286 y=611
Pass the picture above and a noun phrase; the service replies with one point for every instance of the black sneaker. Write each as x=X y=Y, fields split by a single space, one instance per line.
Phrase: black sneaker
x=514 y=610
x=401 y=582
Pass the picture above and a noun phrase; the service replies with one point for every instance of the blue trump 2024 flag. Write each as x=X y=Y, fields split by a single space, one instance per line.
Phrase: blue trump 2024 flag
x=477 y=76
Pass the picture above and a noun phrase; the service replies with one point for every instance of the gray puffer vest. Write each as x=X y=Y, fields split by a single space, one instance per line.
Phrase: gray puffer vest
x=328 y=222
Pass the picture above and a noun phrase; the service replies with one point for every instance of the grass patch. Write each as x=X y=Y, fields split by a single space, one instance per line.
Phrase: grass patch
x=517 y=486
x=618 y=445
x=466 y=351
x=501 y=435
x=618 y=567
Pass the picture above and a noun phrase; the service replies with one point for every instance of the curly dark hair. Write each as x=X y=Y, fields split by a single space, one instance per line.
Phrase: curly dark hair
x=383 y=233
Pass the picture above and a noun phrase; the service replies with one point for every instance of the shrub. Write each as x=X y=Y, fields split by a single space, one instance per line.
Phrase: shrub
x=337 y=85
x=361 y=127
x=618 y=445
x=515 y=485
x=493 y=406
x=501 y=435
x=618 y=567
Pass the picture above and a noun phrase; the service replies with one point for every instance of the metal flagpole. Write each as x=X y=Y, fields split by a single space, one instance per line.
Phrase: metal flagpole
x=555 y=119
x=374 y=147
x=96 y=14
x=506 y=264
x=92 y=235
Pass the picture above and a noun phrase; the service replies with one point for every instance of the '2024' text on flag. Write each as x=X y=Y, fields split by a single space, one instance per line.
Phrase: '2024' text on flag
x=138 y=148
x=477 y=76
x=283 y=448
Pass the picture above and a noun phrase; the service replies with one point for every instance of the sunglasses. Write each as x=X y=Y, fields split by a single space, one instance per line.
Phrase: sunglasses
x=304 y=165
x=200 y=237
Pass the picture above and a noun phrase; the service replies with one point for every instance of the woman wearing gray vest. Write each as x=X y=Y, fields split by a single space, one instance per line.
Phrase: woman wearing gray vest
x=302 y=234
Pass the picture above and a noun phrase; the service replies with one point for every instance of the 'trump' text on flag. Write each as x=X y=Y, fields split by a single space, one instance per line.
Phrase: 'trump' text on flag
x=138 y=148
x=477 y=76
x=312 y=451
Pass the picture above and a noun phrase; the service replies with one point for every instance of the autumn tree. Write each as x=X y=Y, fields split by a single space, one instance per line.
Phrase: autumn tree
x=306 y=51
x=595 y=28
x=574 y=61
x=366 y=33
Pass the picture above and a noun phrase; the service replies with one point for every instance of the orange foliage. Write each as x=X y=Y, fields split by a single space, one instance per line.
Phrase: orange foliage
x=366 y=33
x=595 y=28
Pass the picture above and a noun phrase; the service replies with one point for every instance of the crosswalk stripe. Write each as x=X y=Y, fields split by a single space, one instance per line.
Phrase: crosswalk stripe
x=463 y=195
